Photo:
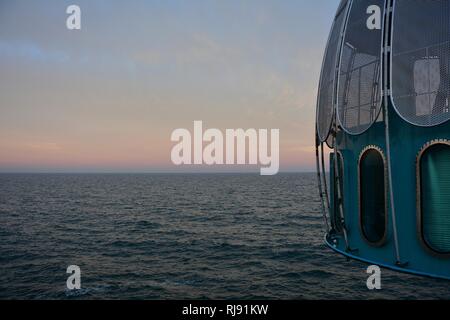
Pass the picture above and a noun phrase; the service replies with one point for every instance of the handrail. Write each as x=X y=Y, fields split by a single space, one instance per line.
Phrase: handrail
x=388 y=151
x=319 y=181
x=337 y=184
x=325 y=178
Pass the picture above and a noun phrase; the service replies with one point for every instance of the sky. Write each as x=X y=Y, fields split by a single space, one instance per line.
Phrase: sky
x=106 y=98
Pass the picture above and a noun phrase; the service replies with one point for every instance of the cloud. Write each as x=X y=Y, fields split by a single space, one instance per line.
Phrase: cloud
x=31 y=51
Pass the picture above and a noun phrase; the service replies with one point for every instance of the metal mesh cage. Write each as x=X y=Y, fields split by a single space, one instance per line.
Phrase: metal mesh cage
x=420 y=61
x=359 y=82
x=325 y=99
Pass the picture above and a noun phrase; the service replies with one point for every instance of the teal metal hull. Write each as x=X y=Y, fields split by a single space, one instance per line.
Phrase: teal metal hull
x=387 y=266
x=406 y=142
x=383 y=107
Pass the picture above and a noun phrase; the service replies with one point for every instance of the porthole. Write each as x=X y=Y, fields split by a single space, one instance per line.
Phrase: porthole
x=372 y=195
x=433 y=173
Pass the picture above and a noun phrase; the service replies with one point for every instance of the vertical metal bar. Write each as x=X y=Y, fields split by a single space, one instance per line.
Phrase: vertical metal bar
x=387 y=57
x=319 y=181
x=337 y=183
x=325 y=185
x=359 y=96
x=430 y=107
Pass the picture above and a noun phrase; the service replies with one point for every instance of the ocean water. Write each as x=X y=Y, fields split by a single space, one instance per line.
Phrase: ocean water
x=193 y=236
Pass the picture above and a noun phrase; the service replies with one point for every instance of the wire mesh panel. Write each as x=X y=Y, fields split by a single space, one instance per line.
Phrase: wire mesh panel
x=359 y=84
x=420 y=61
x=325 y=100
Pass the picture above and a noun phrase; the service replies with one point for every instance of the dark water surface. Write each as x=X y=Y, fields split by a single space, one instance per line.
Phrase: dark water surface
x=178 y=237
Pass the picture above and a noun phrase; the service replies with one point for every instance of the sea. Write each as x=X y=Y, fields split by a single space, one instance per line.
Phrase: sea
x=179 y=236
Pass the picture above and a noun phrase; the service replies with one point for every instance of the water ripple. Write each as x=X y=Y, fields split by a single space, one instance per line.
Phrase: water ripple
x=178 y=237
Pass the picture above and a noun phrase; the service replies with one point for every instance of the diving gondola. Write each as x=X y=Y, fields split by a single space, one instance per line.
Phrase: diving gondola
x=384 y=108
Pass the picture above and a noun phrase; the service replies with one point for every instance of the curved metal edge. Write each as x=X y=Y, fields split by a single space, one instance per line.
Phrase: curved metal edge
x=384 y=265
x=320 y=86
x=381 y=78
x=346 y=10
x=329 y=141
x=391 y=68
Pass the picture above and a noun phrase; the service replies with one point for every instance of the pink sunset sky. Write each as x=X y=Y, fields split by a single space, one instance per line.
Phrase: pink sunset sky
x=106 y=98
